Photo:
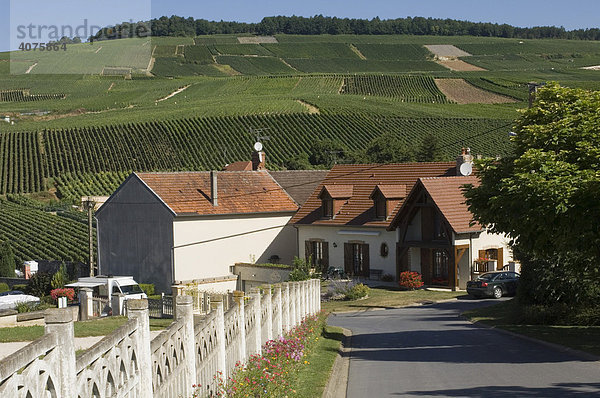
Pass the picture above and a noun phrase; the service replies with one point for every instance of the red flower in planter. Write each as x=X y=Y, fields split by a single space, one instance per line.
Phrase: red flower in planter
x=68 y=292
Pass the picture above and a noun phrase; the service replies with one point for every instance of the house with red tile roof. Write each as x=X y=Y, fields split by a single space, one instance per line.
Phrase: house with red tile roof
x=166 y=228
x=437 y=237
x=345 y=221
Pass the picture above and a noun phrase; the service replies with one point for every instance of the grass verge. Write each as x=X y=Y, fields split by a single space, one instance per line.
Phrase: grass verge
x=389 y=297
x=502 y=315
x=96 y=327
x=312 y=379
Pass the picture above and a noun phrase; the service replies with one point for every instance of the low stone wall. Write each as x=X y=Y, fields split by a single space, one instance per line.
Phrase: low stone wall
x=192 y=350
x=253 y=275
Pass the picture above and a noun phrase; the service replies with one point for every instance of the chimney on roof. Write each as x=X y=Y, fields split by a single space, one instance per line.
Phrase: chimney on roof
x=213 y=188
x=464 y=162
x=258 y=160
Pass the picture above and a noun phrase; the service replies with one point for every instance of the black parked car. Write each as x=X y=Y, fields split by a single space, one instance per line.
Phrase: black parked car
x=494 y=284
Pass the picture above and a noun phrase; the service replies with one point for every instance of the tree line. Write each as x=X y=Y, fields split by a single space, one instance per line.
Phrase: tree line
x=319 y=24
x=387 y=148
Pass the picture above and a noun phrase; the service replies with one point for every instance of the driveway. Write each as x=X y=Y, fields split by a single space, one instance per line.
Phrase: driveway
x=428 y=351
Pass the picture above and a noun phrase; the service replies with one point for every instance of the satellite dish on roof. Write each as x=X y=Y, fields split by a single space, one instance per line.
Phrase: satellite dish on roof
x=466 y=169
x=258 y=147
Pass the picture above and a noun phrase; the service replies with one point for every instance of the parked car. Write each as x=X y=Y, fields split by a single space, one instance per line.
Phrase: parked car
x=494 y=284
x=9 y=300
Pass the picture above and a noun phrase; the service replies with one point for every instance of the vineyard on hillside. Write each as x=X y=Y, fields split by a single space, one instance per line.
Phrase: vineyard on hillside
x=404 y=88
x=74 y=186
x=25 y=96
x=209 y=143
x=35 y=234
x=21 y=168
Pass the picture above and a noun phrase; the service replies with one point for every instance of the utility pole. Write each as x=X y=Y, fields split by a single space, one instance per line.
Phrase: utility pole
x=88 y=205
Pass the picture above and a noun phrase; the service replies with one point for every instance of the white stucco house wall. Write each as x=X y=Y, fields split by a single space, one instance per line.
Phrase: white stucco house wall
x=185 y=227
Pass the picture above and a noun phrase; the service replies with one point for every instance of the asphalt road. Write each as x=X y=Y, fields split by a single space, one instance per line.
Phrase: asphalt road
x=429 y=351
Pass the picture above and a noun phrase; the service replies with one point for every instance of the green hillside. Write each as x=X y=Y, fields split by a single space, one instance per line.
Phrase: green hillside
x=183 y=103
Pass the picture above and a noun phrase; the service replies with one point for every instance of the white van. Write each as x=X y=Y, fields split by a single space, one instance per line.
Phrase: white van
x=106 y=286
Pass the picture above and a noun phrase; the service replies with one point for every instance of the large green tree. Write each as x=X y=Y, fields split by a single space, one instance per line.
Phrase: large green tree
x=7 y=260
x=546 y=196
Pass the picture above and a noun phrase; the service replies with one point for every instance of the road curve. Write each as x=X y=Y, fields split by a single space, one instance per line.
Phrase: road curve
x=429 y=351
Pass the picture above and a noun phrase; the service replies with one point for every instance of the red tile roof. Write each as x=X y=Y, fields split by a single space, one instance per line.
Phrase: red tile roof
x=338 y=191
x=397 y=191
x=359 y=209
x=189 y=193
x=239 y=166
x=447 y=194
x=299 y=184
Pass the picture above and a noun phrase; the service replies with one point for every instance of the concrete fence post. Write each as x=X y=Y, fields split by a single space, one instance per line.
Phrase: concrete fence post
x=286 y=307
x=299 y=313
x=138 y=309
x=318 y=294
x=117 y=301
x=257 y=340
x=176 y=290
x=185 y=312
x=239 y=300
x=268 y=297
x=313 y=303
x=216 y=303
x=59 y=322
x=292 y=304
x=278 y=311
x=303 y=297
x=86 y=305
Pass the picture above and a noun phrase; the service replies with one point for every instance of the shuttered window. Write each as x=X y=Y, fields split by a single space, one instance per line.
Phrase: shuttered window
x=327 y=208
x=317 y=254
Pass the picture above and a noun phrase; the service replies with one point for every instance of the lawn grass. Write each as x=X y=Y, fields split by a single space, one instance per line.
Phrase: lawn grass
x=96 y=327
x=386 y=297
x=312 y=379
x=502 y=315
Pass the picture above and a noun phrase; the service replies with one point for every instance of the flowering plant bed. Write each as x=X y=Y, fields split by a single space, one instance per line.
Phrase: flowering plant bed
x=272 y=373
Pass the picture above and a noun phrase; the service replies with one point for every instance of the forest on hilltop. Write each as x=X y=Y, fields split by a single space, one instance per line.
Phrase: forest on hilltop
x=319 y=24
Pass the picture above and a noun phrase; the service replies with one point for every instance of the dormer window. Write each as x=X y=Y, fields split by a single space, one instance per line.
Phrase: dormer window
x=386 y=198
x=333 y=197
x=327 y=206
x=380 y=208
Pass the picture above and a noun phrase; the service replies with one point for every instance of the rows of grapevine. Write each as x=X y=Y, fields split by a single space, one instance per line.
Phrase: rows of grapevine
x=405 y=88
x=176 y=66
x=35 y=234
x=239 y=49
x=211 y=142
x=20 y=163
x=347 y=65
x=25 y=96
x=76 y=185
x=256 y=65
x=501 y=86
x=393 y=51
x=198 y=54
x=311 y=50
